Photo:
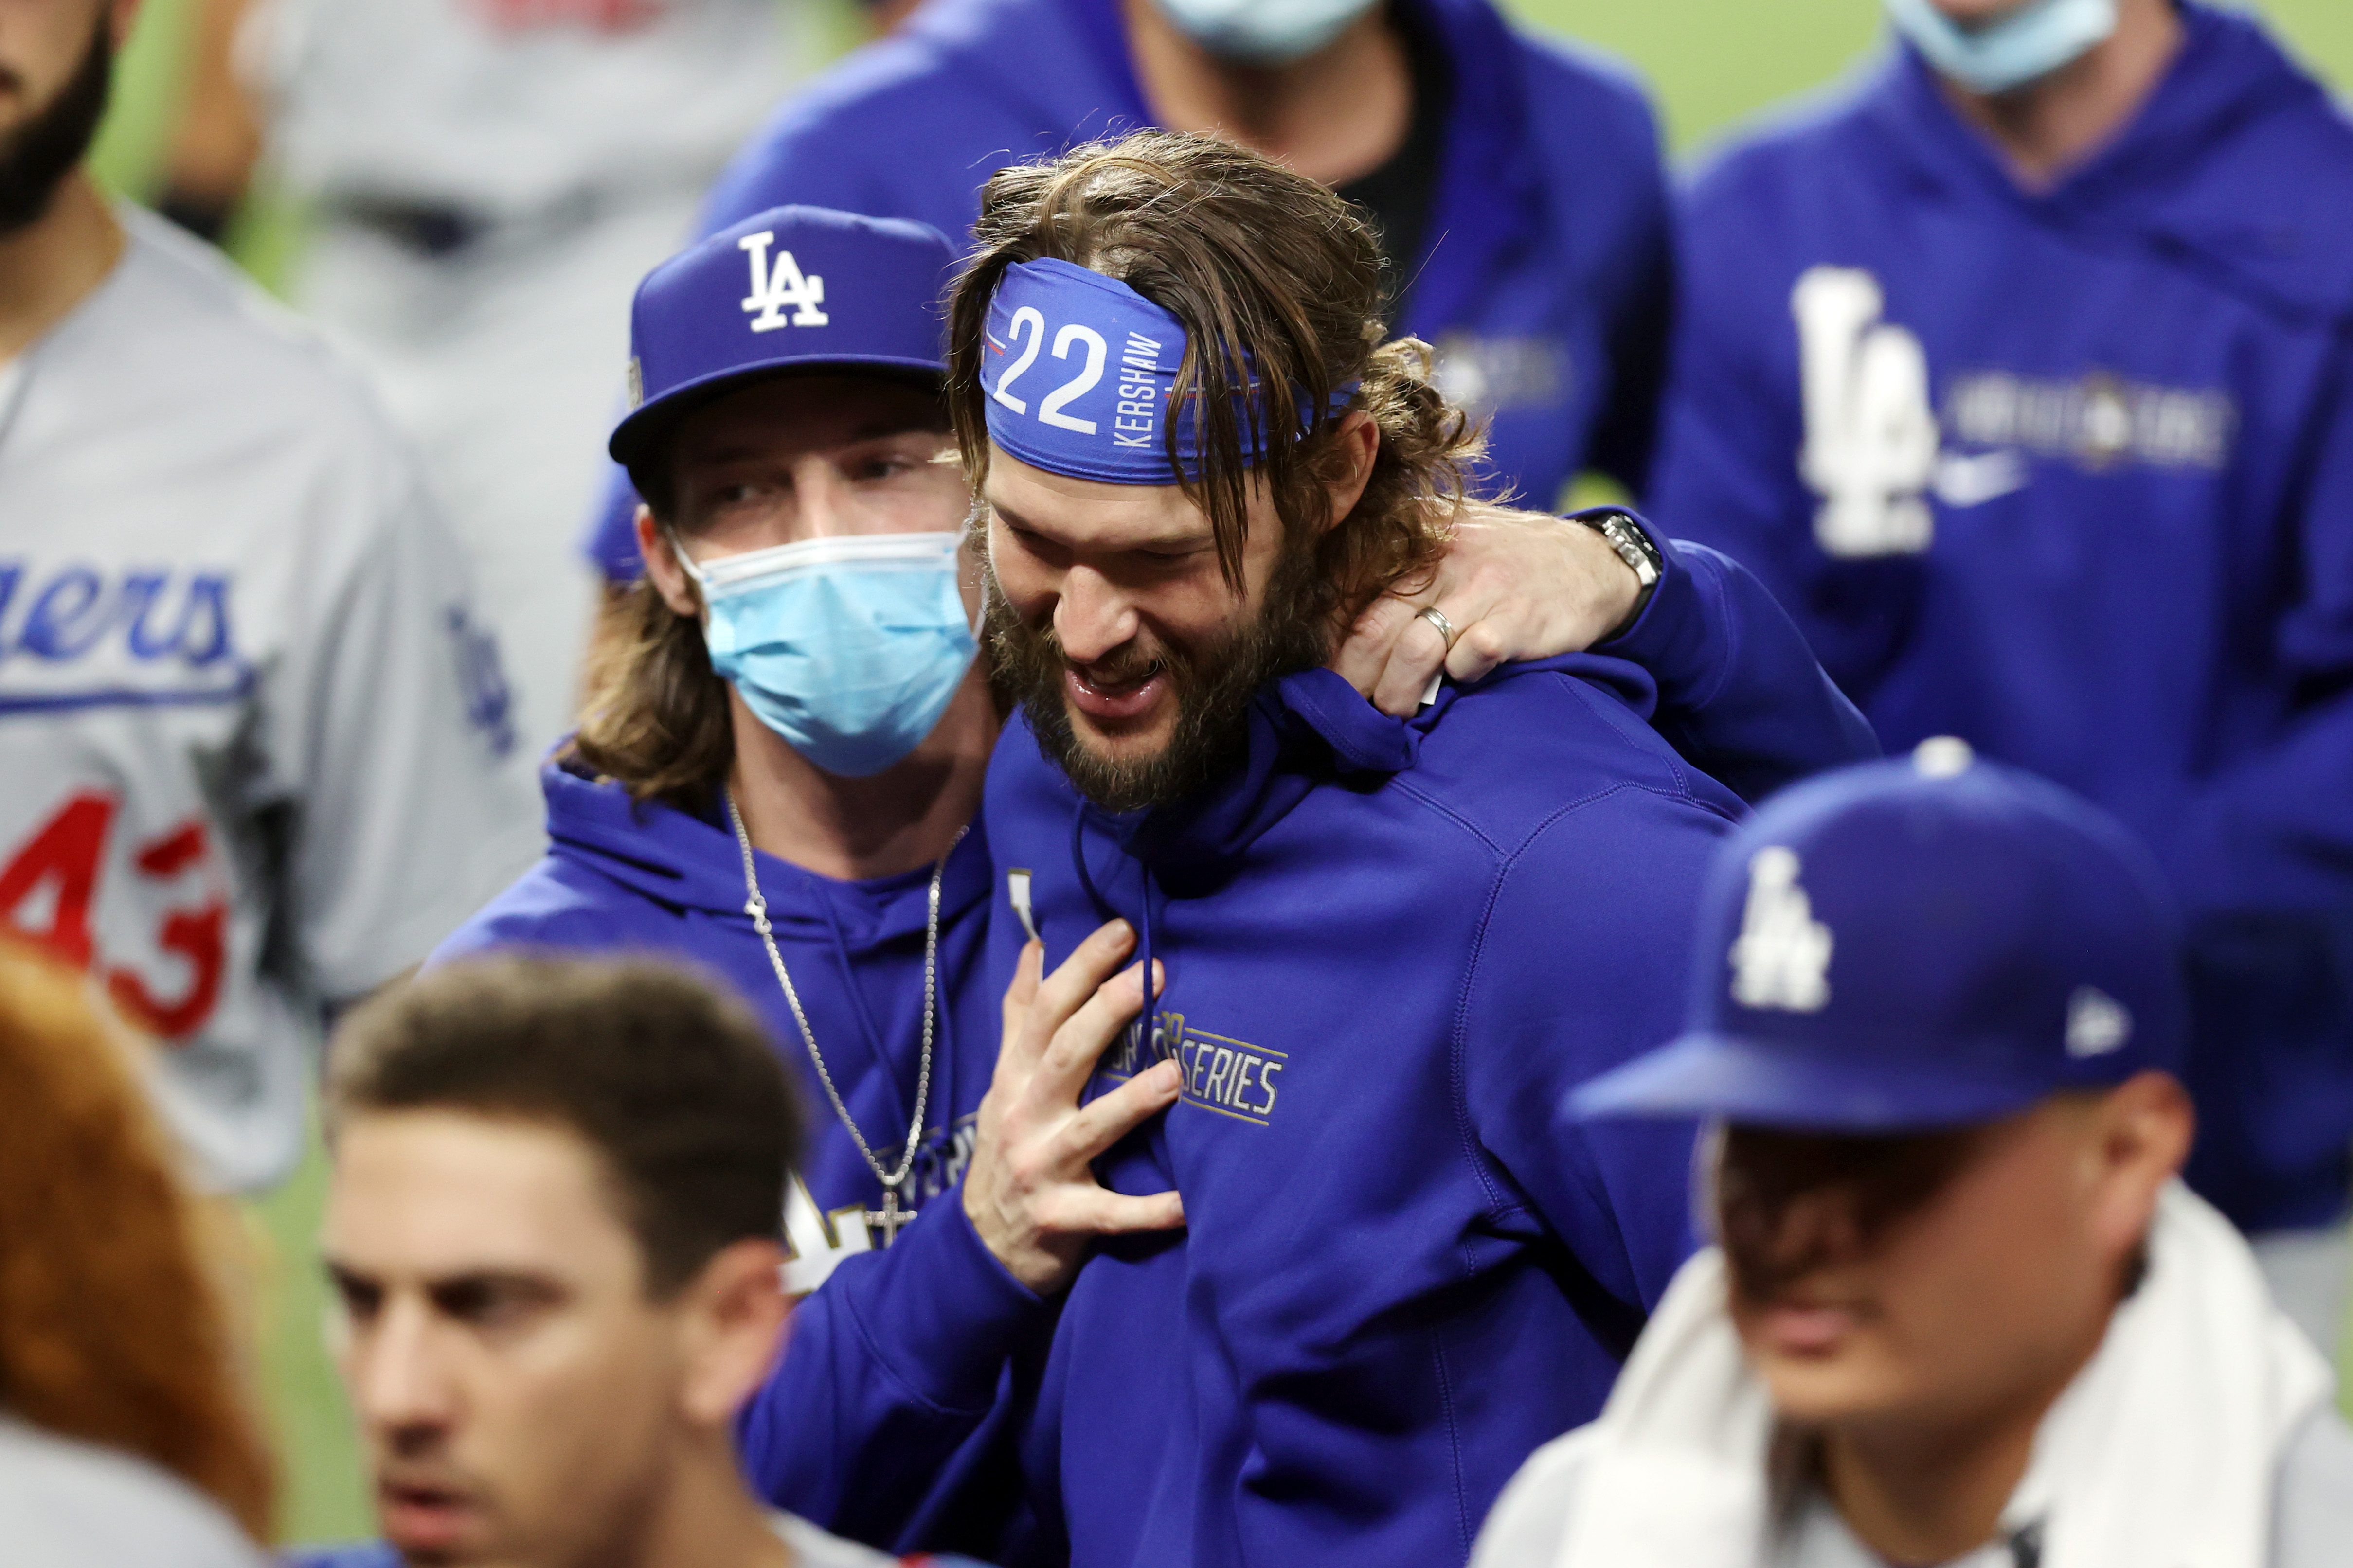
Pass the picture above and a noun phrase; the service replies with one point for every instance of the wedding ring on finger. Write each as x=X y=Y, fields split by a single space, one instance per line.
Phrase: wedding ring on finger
x=1437 y=618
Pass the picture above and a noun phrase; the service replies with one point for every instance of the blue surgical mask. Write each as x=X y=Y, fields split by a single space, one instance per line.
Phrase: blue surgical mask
x=2032 y=41
x=1263 y=32
x=850 y=649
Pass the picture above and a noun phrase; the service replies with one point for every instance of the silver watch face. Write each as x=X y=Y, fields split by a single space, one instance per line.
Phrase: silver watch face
x=1632 y=547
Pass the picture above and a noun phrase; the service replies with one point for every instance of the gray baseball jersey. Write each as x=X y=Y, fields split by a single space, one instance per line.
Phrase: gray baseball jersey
x=255 y=750
x=67 y=1504
x=505 y=107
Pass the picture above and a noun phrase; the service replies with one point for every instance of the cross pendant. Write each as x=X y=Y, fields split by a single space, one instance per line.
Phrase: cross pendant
x=888 y=1219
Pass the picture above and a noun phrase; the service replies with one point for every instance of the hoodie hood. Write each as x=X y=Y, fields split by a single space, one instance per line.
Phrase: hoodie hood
x=681 y=861
x=1305 y=730
x=2231 y=94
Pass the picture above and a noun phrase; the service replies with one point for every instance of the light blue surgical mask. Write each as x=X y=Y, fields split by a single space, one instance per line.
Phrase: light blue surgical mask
x=850 y=649
x=1263 y=32
x=2031 y=42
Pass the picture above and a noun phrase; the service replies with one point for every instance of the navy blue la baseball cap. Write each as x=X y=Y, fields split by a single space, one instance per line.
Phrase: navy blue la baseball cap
x=793 y=291
x=1913 y=945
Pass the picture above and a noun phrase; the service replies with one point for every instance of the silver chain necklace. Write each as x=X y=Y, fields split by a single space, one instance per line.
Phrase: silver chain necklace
x=890 y=1217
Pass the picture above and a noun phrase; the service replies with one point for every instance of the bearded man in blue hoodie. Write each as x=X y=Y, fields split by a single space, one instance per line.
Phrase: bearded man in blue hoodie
x=1389 y=946
x=779 y=774
x=2022 y=371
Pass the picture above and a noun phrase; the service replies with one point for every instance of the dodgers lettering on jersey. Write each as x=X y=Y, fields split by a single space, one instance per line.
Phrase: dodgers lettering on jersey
x=254 y=751
x=167 y=636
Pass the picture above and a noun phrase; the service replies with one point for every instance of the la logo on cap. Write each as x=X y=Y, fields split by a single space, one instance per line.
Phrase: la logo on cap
x=2096 y=1023
x=780 y=288
x=1782 y=957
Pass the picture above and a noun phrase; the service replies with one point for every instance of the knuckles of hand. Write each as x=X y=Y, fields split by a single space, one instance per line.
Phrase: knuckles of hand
x=1485 y=641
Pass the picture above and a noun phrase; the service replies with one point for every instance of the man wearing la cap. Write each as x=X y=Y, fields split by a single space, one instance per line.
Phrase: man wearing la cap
x=797 y=718
x=1962 y=1310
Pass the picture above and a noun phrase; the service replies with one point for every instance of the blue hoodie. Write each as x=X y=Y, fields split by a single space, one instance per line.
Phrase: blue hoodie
x=1391 y=948
x=2140 y=577
x=1543 y=278
x=624 y=877
x=889 y=1418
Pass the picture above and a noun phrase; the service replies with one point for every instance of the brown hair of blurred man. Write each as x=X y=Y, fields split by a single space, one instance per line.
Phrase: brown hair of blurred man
x=1247 y=254
x=553 y=1230
x=111 y=1330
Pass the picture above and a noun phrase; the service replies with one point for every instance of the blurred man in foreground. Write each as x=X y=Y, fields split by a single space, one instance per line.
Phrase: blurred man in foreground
x=2021 y=375
x=553 y=1235
x=256 y=753
x=1961 y=1311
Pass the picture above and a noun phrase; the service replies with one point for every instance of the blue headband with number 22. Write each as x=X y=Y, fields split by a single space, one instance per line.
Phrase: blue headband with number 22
x=1078 y=368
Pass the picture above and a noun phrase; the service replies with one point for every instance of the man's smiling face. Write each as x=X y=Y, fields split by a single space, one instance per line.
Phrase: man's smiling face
x=1112 y=622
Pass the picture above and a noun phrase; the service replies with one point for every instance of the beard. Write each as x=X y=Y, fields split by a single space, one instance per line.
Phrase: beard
x=1213 y=688
x=37 y=156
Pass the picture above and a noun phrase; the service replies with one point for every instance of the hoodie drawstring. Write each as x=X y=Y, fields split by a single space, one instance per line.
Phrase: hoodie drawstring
x=1103 y=909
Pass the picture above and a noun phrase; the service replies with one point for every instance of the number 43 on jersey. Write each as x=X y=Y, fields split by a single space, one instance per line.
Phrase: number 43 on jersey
x=50 y=885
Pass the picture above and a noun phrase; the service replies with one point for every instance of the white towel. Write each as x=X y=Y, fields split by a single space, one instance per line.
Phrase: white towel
x=2163 y=1450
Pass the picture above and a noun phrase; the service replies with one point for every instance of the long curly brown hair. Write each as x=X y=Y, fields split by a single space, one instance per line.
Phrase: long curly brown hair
x=113 y=1328
x=1284 y=280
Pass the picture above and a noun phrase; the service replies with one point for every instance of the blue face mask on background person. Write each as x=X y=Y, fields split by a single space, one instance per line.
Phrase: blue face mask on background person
x=1263 y=32
x=2032 y=41
x=850 y=648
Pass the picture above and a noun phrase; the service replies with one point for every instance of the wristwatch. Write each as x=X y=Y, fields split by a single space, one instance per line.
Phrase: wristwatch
x=1633 y=542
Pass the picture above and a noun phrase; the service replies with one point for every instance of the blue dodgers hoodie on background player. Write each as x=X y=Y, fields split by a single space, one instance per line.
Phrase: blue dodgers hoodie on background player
x=1391 y=948
x=1540 y=280
x=2116 y=548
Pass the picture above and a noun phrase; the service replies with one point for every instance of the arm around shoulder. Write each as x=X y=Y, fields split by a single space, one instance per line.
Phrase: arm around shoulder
x=1740 y=692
